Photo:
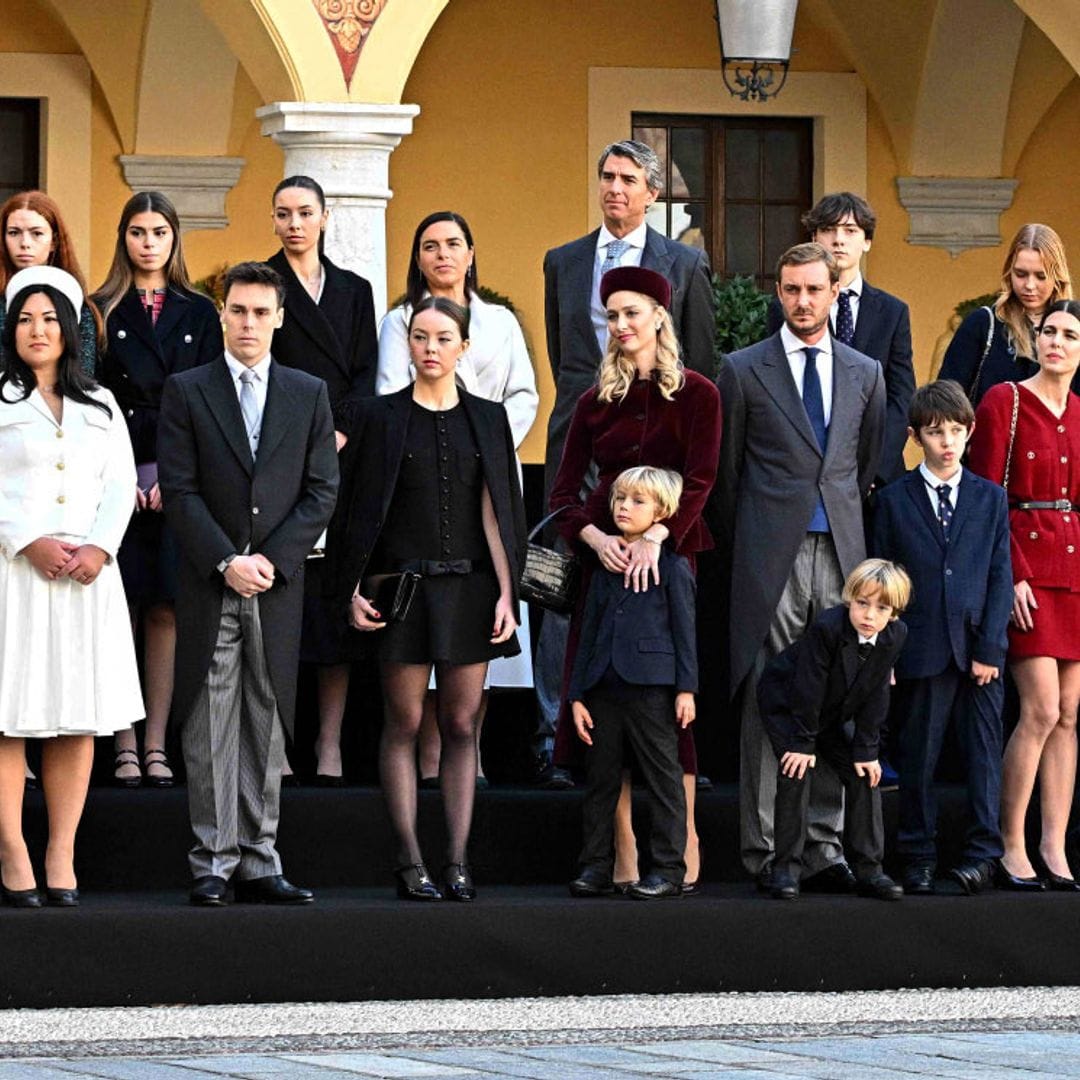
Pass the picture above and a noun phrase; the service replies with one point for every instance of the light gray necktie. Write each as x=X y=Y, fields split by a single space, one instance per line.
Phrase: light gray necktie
x=249 y=407
x=615 y=249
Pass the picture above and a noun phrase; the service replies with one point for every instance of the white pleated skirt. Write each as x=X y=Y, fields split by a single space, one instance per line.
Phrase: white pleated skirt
x=67 y=659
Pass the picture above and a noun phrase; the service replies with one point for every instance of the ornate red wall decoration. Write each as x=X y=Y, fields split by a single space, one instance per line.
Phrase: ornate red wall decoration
x=348 y=22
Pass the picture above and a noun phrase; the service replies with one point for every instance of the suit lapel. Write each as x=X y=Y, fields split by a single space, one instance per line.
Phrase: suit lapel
x=849 y=654
x=276 y=415
x=308 y=315
x=172 y=314
x=580 y=281
x=397 y=428
x=846 y=399
x=220 y=395
x=774 y=374
x=868 y=313
x=656 y=255
x=134 y=316
x=916 y=490
x=962 y=507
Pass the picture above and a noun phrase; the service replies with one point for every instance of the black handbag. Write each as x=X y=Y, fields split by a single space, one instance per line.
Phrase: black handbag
x=391 y=594
x=550 y=578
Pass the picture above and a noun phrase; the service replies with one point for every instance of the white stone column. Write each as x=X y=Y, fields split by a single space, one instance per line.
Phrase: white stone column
x=346 y=148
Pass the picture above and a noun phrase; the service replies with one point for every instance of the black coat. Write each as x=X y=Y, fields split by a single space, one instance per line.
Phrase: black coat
x=140 y=355
x=218 y=501
x=334 y=340
x=646 y=637
x=370 y=465
x=817 y=688
x=882 y=332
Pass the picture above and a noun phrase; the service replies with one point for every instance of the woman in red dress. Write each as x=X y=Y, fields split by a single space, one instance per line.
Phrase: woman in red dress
x=1027 y=437
x=646 y=409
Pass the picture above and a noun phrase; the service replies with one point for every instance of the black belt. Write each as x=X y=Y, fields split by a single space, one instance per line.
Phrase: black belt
x=442 y=567
x=1056 y=504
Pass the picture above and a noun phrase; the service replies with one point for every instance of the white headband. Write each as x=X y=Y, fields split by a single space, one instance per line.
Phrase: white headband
x=59 y=279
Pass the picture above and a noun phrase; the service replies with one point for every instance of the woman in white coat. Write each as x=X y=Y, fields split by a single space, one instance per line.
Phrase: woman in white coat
x=496 y=366
x=67 y=660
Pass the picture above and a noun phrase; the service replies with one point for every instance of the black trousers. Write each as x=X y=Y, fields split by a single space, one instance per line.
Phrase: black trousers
x=864 y=834
x=644 y=717
x=924 y=708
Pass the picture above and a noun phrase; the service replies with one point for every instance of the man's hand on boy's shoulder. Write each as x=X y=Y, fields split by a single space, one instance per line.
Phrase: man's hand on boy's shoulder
x=794 y=765
x=685 y=709
x=983 y=673
x=583 y=722
x=871 y=770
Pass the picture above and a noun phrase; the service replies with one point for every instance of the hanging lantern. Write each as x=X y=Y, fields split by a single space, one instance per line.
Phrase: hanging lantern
x=755 y=45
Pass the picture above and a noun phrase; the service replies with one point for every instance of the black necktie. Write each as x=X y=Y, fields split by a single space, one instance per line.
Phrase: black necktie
x=845 y=319
x=865 y=649
x=944 y=509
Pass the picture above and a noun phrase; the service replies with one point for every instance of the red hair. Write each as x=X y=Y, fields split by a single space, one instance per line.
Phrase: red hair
x=63 y=253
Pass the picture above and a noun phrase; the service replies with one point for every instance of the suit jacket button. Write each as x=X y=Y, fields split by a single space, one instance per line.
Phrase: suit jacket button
x=187 y=339
x=948 y=573
x=121 y=334
x=254 y=509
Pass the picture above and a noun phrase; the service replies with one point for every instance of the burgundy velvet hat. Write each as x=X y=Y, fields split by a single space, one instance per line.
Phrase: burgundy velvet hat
x=636 y=279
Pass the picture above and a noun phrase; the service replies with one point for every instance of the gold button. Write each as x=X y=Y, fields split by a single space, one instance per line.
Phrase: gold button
x=60 y=465
x=59 y=498
x=59 y=433
x=1063 y=459
x=1061 y=429
x=1066 y=519
x=1033 y=536
x=1070 y=549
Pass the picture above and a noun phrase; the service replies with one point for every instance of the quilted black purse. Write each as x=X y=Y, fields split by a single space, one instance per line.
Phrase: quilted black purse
x=549 y=578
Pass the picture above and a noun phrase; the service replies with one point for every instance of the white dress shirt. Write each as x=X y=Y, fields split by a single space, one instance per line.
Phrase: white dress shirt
x=630 y=257
x=854 y=299
x=796 y=358
x=933 y=483
x=867 y=640
x=261 y=371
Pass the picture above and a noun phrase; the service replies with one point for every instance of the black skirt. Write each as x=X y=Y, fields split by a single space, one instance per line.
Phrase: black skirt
x=149 y=561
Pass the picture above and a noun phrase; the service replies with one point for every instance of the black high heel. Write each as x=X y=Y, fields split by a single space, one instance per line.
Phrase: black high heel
x=414 y=883
x=62 y=897
x=458 y=882
x=1004 y=880
x=1055 y=882
x=21 y=898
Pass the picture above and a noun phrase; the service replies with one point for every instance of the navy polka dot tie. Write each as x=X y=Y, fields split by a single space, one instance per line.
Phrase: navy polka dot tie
x=945 y=509
x=845 y=320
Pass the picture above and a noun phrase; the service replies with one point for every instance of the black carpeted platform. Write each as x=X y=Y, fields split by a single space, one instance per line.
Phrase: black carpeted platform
x=135 y=940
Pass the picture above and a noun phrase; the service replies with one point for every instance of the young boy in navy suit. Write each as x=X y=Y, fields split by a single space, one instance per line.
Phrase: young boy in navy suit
x=827 y=695
x=634 y=680
x=950 y=529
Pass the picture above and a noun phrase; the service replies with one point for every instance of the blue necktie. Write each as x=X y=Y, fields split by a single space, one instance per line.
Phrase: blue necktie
x=815 y=413
x=945 y=509
x=845 y=320
x=615 y=249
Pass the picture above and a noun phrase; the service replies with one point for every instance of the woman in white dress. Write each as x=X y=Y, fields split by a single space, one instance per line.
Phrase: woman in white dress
x=67 y=660
x=496 y=366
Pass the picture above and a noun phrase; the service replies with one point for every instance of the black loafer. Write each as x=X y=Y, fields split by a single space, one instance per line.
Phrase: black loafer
x=691 y=888
x=654 y=887
x=880 y=887
x=208 y=891
x=782 y=887
x=458 y=883
x=972 y=875
x=1004 y=880
x=62 y=897
x=591 y=883
x=273 y=889
x=414 y=883
x=837 y=878
x=918 y=879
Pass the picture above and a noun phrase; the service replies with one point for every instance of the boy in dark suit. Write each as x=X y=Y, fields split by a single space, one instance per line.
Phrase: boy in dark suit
x=950 y=529
x=828 y=694
x=634 y=679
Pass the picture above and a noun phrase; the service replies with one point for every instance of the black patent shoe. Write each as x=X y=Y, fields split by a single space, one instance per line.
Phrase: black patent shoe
x=123 y=759
x=655 y=887
x=1004 y=880
x=458 y=882
x=22 y=898
x=272 y=889
x=62 y=897
x=160 y=760
x=918 y=879
x=590 y=883
x=414 y=883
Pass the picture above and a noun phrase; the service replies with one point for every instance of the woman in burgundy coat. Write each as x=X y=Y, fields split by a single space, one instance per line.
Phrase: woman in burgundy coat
x=1027 y=437
x=646 y=409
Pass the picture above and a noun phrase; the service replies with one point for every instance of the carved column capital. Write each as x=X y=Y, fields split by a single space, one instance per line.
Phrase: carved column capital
x=955 y=213
x=197 y=186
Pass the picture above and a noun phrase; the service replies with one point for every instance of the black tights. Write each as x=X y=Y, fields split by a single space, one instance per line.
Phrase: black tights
x=461 y=689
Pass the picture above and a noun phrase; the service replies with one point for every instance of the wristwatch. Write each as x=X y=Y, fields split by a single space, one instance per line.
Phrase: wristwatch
x=224 y=564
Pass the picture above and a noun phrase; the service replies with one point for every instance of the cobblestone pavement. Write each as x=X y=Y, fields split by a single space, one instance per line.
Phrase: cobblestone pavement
x=1022 y=1033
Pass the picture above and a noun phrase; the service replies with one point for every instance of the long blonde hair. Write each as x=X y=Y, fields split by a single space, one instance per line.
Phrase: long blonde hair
x=1046 y=243
x=618 y=372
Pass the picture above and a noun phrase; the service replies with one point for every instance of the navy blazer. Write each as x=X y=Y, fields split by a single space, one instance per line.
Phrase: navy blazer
x=963 y=590
x=882 y=332
x=817 y=686
x=646 y=637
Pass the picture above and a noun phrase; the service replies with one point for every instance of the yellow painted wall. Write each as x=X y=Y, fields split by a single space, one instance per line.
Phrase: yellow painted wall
x=28 y=26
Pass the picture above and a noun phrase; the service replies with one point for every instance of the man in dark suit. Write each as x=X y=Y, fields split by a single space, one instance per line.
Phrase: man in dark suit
x=803 y=423
x=631 y=177
x=950 y=530
x=249 y=475
x=870 y=320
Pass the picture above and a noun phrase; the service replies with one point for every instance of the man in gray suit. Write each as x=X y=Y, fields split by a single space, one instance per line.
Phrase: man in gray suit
x=631 y=178
x=249 y=477
x=804 y=420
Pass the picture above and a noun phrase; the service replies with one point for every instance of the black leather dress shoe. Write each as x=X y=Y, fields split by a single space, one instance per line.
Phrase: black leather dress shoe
x=547 y=775
x=414 y=883
x=972 y=875
x=208 y=891
x=1004 y=880
x=837 y=878
x=880 y=887
x=783 y=887
x=22 y=898
x=458 y=883
x=271 y=890
x=62 y=897
x=918 y=879
x=591 y=883
x=654 y=887
x=764 y=879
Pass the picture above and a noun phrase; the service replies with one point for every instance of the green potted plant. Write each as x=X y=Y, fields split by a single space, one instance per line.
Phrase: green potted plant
x=741 y=309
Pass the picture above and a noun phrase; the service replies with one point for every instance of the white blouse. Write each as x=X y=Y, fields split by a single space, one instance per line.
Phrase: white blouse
x=74 y=479
x=496 y=365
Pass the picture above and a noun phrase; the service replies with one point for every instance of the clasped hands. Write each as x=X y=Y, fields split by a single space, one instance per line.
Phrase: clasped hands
x=55 y=559
x=636 y=561
x=249 y=575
